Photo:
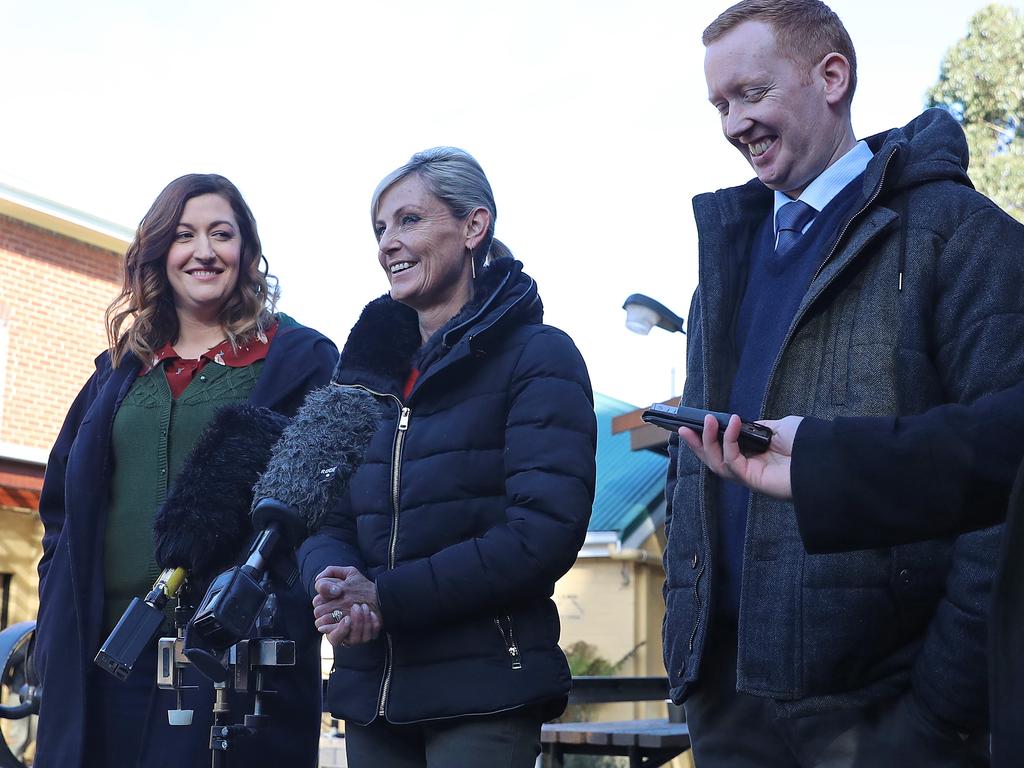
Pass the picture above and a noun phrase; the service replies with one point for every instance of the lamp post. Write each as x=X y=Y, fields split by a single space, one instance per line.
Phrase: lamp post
x=644 y=313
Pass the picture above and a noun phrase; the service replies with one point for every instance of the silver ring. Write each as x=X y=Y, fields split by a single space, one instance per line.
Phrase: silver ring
x=337 y=614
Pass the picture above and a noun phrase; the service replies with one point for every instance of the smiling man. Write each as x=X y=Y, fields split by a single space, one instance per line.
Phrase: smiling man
x=849 y=278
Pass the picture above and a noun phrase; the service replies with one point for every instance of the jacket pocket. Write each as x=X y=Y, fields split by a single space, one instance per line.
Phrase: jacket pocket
x=508 y=639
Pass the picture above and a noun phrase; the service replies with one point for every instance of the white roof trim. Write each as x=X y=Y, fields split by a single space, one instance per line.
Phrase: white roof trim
x=647 y=527
x=597 y=543
x=63 y=220
x=24 y=454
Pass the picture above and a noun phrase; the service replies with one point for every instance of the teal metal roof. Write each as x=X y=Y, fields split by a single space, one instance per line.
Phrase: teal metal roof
x=630 y=484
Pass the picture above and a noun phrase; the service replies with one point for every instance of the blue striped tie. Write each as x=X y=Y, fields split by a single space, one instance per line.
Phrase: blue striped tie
x=791 y=220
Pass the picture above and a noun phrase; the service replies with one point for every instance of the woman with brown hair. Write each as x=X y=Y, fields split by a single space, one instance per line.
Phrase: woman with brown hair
x=192 y=330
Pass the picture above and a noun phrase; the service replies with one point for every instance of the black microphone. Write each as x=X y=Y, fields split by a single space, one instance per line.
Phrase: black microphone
x=310 y=468
x=204 y=521
x=202 y=525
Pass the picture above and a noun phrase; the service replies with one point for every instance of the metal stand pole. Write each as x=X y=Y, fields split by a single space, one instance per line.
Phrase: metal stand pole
x=220 y=731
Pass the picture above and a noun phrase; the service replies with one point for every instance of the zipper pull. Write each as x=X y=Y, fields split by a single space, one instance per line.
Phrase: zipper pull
x=403 y=422
x=514 y=652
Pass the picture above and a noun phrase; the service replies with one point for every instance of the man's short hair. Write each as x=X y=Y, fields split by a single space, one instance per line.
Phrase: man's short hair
x=805 y=30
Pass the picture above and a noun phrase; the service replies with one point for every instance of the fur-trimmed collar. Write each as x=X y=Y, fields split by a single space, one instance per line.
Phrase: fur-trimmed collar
x=385 y=341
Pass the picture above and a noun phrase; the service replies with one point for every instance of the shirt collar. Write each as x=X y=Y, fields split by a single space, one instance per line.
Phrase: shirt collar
x=223 y=353
x=831 y=181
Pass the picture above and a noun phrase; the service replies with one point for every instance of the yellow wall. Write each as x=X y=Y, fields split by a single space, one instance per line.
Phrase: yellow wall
x=616 y=606
x=20 y=549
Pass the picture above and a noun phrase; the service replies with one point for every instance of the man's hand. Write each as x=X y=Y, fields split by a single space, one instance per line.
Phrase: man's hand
x=346 y=608
x=767 y=472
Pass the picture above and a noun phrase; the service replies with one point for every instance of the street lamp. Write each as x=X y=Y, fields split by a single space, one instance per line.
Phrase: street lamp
x=643 y=313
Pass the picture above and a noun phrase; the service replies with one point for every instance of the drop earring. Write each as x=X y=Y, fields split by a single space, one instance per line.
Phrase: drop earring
x=472 y=263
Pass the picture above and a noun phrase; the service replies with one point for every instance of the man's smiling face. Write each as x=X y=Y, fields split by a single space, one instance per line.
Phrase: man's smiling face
x=773 y=109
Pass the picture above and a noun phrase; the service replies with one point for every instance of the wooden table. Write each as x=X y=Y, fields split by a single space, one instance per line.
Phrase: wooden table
x=647 y=743
x=590 y=689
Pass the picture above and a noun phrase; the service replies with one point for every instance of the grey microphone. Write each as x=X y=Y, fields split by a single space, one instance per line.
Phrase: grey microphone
x=309 y=470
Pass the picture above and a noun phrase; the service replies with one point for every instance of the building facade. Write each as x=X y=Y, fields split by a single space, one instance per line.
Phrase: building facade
x=610 y=602
x=59 y=269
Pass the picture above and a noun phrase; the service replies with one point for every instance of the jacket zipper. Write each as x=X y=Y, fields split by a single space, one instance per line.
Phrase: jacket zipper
x=510 y=642
x=396 y=477
x=842 y=232
x=696 y=597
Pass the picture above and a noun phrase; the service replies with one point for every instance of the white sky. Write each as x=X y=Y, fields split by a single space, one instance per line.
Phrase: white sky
x=589 y=117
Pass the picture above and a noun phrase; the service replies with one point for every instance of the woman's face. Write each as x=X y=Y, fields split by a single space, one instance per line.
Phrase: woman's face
x=203 y=261
x=423 y=247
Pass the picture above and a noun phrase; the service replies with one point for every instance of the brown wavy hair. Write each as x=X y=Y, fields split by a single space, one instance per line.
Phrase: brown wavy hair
x=146 y=296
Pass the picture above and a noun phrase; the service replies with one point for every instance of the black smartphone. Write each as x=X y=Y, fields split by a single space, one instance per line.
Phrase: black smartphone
x=754 y=438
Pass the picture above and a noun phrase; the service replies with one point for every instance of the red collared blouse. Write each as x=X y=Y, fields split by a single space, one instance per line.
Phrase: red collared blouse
x=180 y=371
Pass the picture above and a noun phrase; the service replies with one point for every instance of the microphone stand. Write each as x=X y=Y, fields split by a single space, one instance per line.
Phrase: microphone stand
x=231 y=638
x=248 y=661
x=171 y=664
x=245 y=663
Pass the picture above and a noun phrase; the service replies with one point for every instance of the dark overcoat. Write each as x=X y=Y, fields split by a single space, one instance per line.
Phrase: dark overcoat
x=916 y=303
x=73 y=506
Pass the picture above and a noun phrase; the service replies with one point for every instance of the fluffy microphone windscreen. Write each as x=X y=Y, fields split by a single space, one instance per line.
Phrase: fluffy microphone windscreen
x=319 y=451
x=205 y=520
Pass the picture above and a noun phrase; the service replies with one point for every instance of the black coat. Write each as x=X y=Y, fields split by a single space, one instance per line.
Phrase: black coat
x=903 y=315
x=72 y=507
x=491 y=459
x=1006 y=639
x=869 y=482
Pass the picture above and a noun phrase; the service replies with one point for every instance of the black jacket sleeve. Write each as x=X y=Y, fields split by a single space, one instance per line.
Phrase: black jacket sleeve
x=335 y=543
x=860 y=483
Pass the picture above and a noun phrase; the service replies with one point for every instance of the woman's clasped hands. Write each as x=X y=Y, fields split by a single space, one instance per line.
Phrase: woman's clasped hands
x=345 y=607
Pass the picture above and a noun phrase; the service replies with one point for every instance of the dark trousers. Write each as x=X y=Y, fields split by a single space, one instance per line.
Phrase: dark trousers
x=736 y=730
x=508 y=740
x=126 y=720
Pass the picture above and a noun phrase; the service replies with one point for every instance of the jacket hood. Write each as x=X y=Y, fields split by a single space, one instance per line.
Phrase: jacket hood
x=385 y=341
x=931 y=147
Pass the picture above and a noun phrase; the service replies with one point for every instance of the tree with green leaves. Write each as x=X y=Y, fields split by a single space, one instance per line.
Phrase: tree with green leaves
x=982 y=84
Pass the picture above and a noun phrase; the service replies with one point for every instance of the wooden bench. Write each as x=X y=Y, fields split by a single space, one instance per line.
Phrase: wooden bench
x=647 y=743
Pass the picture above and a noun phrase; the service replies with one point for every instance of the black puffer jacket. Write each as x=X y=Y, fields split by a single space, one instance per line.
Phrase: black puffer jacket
x=473 y=500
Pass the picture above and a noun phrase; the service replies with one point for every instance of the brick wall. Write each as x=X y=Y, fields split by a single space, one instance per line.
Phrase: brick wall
x=53 y=292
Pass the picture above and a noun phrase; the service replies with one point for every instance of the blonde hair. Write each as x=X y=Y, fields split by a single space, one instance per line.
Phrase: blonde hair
x=456 y=179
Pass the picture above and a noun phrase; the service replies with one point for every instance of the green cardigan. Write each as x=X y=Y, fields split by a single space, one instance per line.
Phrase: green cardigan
x=152 y=437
